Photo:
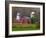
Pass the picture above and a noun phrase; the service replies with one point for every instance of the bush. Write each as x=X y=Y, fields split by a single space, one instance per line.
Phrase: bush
x=35 y=19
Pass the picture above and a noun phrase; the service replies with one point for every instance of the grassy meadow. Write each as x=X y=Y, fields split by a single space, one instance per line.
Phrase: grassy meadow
x=23 y=27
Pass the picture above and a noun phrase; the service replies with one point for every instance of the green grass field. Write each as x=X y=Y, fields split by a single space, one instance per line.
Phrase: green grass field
x=23 y=27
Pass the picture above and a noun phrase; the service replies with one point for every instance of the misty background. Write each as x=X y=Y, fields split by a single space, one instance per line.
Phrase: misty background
x=25 y=11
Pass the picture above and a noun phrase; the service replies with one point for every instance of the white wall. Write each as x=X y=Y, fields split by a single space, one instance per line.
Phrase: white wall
x=2 y=19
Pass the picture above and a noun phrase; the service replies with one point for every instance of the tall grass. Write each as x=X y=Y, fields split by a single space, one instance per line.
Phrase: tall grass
x=22 y=27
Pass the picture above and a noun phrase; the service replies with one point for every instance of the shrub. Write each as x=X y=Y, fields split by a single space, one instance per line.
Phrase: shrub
x=35 y=19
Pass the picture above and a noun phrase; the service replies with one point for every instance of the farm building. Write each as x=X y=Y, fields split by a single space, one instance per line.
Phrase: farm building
x=22 y=19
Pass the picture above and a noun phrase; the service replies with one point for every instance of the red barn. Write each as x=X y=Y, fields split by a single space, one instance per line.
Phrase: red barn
x=24 y=20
